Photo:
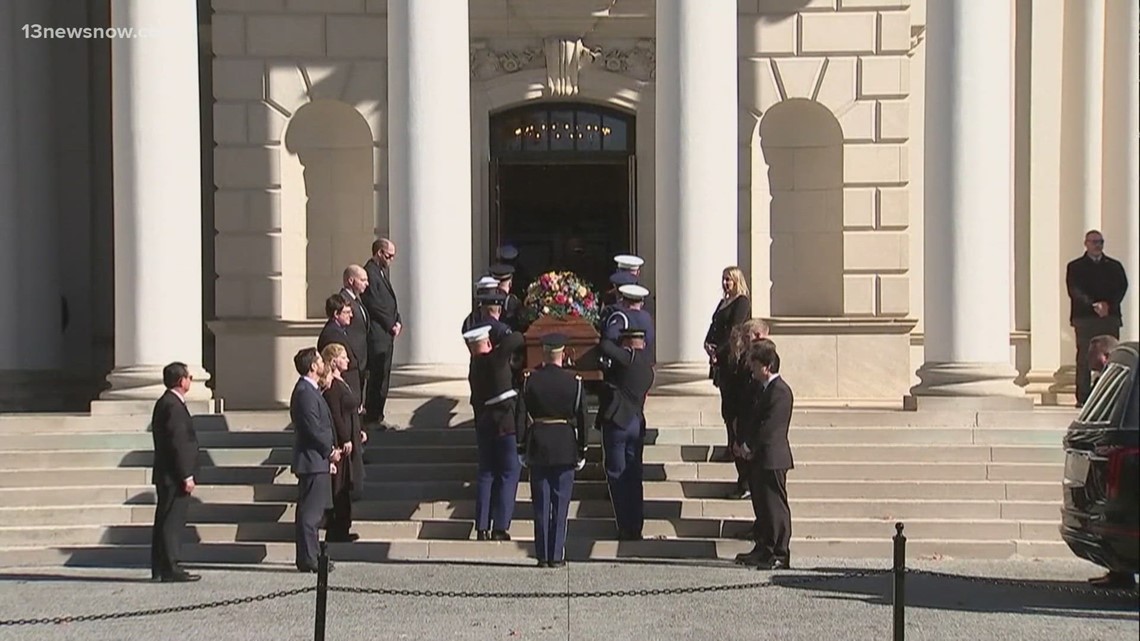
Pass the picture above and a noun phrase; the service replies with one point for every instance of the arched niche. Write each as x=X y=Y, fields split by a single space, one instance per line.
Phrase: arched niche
x=327 y=199
x=802 y=145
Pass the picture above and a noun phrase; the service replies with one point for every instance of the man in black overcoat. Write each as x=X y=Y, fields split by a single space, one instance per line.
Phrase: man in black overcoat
x=355 y=283
x=1096 y=284
x=384 y=326
x=175 y=464
x=338 y=329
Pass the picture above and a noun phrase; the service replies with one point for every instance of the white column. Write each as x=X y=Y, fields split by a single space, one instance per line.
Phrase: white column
x=1049 y=310
x=158 y=203
x=968 y=206
x=696 y=171
x=31 y=335
x=1130 y=242
x=1092 y=80
x=429 y=170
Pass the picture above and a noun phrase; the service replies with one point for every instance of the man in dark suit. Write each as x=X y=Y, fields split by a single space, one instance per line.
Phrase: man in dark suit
x=355 y=282
x=175 y=464
x=622 y=420
x=384 y=326
x=763 y=442
x=1096 y=285
x=338 y=330
x=314 y=455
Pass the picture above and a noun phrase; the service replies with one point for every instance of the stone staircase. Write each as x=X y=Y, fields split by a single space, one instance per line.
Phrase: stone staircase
x=75 y=489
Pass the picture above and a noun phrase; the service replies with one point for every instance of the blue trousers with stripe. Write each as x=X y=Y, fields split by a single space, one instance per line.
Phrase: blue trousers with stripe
x=623 y=448
x=497 y=480
x=550 y=490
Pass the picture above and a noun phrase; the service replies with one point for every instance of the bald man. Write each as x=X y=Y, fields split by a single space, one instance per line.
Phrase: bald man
x=384 y=325
x=355 y=282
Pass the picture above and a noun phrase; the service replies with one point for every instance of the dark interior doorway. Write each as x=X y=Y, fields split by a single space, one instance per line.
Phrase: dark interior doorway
x=563 y=185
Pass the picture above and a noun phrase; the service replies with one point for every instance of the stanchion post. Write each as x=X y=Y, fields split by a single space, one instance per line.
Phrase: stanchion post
x=322 y=592
x=899 y=597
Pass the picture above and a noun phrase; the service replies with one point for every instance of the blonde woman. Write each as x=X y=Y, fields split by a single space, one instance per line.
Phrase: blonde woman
x=344 y=406
x=733 y=309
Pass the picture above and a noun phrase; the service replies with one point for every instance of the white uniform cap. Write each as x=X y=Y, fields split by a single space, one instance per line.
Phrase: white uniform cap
x=628 y=261
x=487 y=282
x=483 y=332
x=633 y=292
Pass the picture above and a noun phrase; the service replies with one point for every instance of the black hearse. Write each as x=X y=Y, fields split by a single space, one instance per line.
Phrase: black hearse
x=1100 y=520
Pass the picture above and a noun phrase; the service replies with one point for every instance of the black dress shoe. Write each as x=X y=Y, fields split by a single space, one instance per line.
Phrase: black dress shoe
x=556 y=564
x=775 y=564
x=181 y=577
x=500 y=535
x=312 y=569
x=482 y=535
x=543 y=564
x=1114 y=581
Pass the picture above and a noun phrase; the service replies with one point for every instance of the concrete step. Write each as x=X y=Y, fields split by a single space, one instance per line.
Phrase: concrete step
x=685 y=434
x=237 y=453
x=660 y=411
x=520 y=550
x=399 y=510
x=797 y=488
x=591 y=528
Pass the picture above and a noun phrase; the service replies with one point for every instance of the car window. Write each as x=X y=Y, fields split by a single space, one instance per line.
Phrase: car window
x=1106 y=395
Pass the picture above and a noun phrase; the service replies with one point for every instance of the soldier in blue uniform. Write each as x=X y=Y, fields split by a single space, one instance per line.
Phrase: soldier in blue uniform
x=553 y=446
x=622 y=419
x=630 y=313
x=499 y=416
x=512 y=307
x=489 y=310
x=612 y=297
x=509 y=255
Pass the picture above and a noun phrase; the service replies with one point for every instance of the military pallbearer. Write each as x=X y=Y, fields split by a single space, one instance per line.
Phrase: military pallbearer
x=553 y=446
x=498 y=417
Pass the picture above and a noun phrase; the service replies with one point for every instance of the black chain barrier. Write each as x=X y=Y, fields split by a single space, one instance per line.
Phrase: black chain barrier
x=132 y=614
x=603 y=594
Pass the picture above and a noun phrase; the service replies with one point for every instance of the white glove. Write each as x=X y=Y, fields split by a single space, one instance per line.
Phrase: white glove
x=522 y=460
x=581 y=464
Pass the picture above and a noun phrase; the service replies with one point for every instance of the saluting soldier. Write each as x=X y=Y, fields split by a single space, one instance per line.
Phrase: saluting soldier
x=489 y=311
x=612 y=297
x=622 y=420
x=630 y=313
x=484 y=285
x=498 y=417
x=512 y=307
x=553 y=446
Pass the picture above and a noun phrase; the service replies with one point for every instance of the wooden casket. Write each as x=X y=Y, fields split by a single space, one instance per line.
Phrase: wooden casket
x=581 y=346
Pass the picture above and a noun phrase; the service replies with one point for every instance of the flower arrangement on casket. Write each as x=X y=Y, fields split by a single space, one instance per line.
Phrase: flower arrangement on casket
x=562 y=296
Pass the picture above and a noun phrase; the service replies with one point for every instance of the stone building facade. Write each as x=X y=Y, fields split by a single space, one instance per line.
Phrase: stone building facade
x=867 y=171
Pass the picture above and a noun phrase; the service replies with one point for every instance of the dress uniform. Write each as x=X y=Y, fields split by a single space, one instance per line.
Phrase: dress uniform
x=483 y=316
x=512 y=306
x=498 y=417
x=622 y=418
x=553 y=446
x=623 y=316
x=612 y=297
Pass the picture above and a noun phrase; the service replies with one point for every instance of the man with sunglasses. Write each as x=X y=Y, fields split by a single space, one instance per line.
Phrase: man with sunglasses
x=1096 y=284
x=384 y=326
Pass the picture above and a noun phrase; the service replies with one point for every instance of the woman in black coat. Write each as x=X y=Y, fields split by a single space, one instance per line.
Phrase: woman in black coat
x=733 y=309
x=344 y=406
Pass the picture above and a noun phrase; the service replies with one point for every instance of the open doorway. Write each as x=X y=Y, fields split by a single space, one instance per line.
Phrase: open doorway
x=562 y=184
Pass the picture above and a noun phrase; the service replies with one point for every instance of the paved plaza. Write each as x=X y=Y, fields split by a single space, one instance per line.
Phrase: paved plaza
x=1054 y=603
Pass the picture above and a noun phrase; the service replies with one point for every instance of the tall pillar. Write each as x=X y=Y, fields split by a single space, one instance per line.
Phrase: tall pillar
x=31 y=332
x=1048 y=304
x=968 y=206
x=1092 y=91
x=696 y=175
x=429 y=170
x=1121 y=209
x=158 y=200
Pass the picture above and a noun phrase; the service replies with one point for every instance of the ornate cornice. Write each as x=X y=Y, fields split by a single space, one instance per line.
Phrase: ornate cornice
x=563 y=59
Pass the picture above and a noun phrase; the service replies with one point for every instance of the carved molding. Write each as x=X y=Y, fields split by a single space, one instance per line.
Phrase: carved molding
x=563 y=59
